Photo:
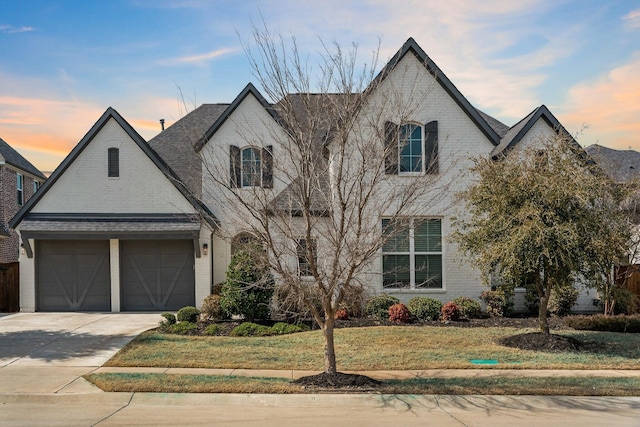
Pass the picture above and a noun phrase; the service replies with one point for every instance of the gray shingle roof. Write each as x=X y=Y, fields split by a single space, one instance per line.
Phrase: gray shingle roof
x=88 y=223
x=620 y=165
x=176 y=144
x=13 y=158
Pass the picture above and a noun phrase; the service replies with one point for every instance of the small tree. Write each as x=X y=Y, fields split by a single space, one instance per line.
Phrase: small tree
x=335 y=162
x=547 y=212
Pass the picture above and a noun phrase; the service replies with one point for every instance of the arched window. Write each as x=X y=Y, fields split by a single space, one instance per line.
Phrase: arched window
x=410 y=148
x=244 y=241
x=251 y=167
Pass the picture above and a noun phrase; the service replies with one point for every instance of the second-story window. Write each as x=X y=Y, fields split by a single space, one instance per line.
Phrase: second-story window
x=20 y=188
x=251 y=167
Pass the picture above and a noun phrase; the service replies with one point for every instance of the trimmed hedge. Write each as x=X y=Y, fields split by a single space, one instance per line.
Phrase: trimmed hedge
x=469 y=308
x=188 y=314
x=248 y=329
x=602 y=323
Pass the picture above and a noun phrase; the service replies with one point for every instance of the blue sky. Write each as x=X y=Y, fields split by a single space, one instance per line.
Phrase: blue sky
x=62 y=63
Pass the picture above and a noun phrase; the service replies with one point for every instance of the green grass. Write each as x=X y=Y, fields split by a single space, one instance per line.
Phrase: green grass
x=565 y=386
x=375 y=348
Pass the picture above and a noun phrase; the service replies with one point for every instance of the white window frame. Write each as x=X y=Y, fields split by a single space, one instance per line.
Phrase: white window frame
x=20 y=188
x=36 y=186
x=412 y=253
x=299 y=257
x=400 y=146
x=257 y=154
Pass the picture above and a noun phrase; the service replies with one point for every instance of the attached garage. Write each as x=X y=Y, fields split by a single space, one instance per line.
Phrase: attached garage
x=156 y=274
x=73 y=275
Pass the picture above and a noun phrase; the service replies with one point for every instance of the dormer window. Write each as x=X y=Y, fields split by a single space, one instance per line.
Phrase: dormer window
x=411 y=148
x=113 y=163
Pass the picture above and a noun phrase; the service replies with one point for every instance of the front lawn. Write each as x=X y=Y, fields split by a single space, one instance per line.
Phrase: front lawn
x=378 y=348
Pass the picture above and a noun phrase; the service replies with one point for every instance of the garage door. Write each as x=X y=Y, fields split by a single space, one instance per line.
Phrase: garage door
x=157 y=274
x=73 y=275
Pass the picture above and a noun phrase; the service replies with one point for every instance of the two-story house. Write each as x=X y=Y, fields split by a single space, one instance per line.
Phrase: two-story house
x=19 y=180
x=124 y=224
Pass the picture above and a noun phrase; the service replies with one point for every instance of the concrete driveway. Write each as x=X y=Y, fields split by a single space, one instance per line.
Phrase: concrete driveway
x=48 y=352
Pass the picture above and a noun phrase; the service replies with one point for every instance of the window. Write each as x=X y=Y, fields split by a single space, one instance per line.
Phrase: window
x=244 y=242
x=251 y=170
x=36 y=185
x=19 y=186
x=113 y=163
x=412 y=253
x=411 y=148
x=306 y=254
x=251 y=166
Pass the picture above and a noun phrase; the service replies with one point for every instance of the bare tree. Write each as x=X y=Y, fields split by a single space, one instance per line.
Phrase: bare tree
x=332 y=148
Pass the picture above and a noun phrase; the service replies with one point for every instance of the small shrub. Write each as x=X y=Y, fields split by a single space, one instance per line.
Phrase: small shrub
x=378 y=306
x=212 y=329
x=469 y=308
x=188 y=314
x=399 y=313
x=498 y=302
x=248 y=329
x=342 y=314
x=282 y=328
x=562 y=299
x=217 y=288
x=182 y=328
x=626 y=302
x=424 y=308
x=169 y=318
x=450 y=312
x=289 y=306
x=602 y=323
x=211 y=308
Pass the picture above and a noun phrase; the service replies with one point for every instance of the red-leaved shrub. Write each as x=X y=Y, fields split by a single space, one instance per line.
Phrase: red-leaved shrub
x=450 y=311
x=399 y=313
x=342 y=314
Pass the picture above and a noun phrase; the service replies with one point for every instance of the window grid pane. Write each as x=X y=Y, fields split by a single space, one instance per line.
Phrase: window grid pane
x=418 y=266
x=251 y=170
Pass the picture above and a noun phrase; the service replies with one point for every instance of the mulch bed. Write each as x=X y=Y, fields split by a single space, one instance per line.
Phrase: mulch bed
x=338 y=381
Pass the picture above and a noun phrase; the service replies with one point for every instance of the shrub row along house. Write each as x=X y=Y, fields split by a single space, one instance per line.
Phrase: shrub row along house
x=123 y=224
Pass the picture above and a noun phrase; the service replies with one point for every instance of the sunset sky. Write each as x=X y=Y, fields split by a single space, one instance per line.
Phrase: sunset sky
x=62 y=63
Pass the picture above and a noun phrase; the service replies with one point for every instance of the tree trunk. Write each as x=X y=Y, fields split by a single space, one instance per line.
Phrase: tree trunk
x=542 y=314
x=329 y=346
x=543 y=286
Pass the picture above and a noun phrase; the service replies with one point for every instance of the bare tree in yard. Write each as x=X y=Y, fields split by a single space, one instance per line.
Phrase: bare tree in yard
x=547 y=212
x=319 y=214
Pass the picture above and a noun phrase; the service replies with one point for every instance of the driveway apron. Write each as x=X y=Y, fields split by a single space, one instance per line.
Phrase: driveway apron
x=48 y=352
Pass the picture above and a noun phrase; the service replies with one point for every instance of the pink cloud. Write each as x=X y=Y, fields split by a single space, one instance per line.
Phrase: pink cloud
x=609 y=108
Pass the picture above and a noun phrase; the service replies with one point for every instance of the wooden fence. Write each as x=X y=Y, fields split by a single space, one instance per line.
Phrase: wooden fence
x=631 y=274
x=9 y=287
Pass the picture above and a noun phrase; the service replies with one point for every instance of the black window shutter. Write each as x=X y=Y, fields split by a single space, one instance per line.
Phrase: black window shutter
x=267 y=166
x=390 y=148
x=113 y=163
x=234 y=167
x=431 y=147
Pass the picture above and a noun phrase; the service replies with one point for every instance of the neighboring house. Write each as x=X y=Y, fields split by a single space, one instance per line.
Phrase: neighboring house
x=620 y=165
x=19 y=180
x=113 y=229
x=96 y=239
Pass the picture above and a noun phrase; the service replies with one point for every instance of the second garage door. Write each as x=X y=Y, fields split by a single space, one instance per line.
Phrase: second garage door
x=157 y=275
